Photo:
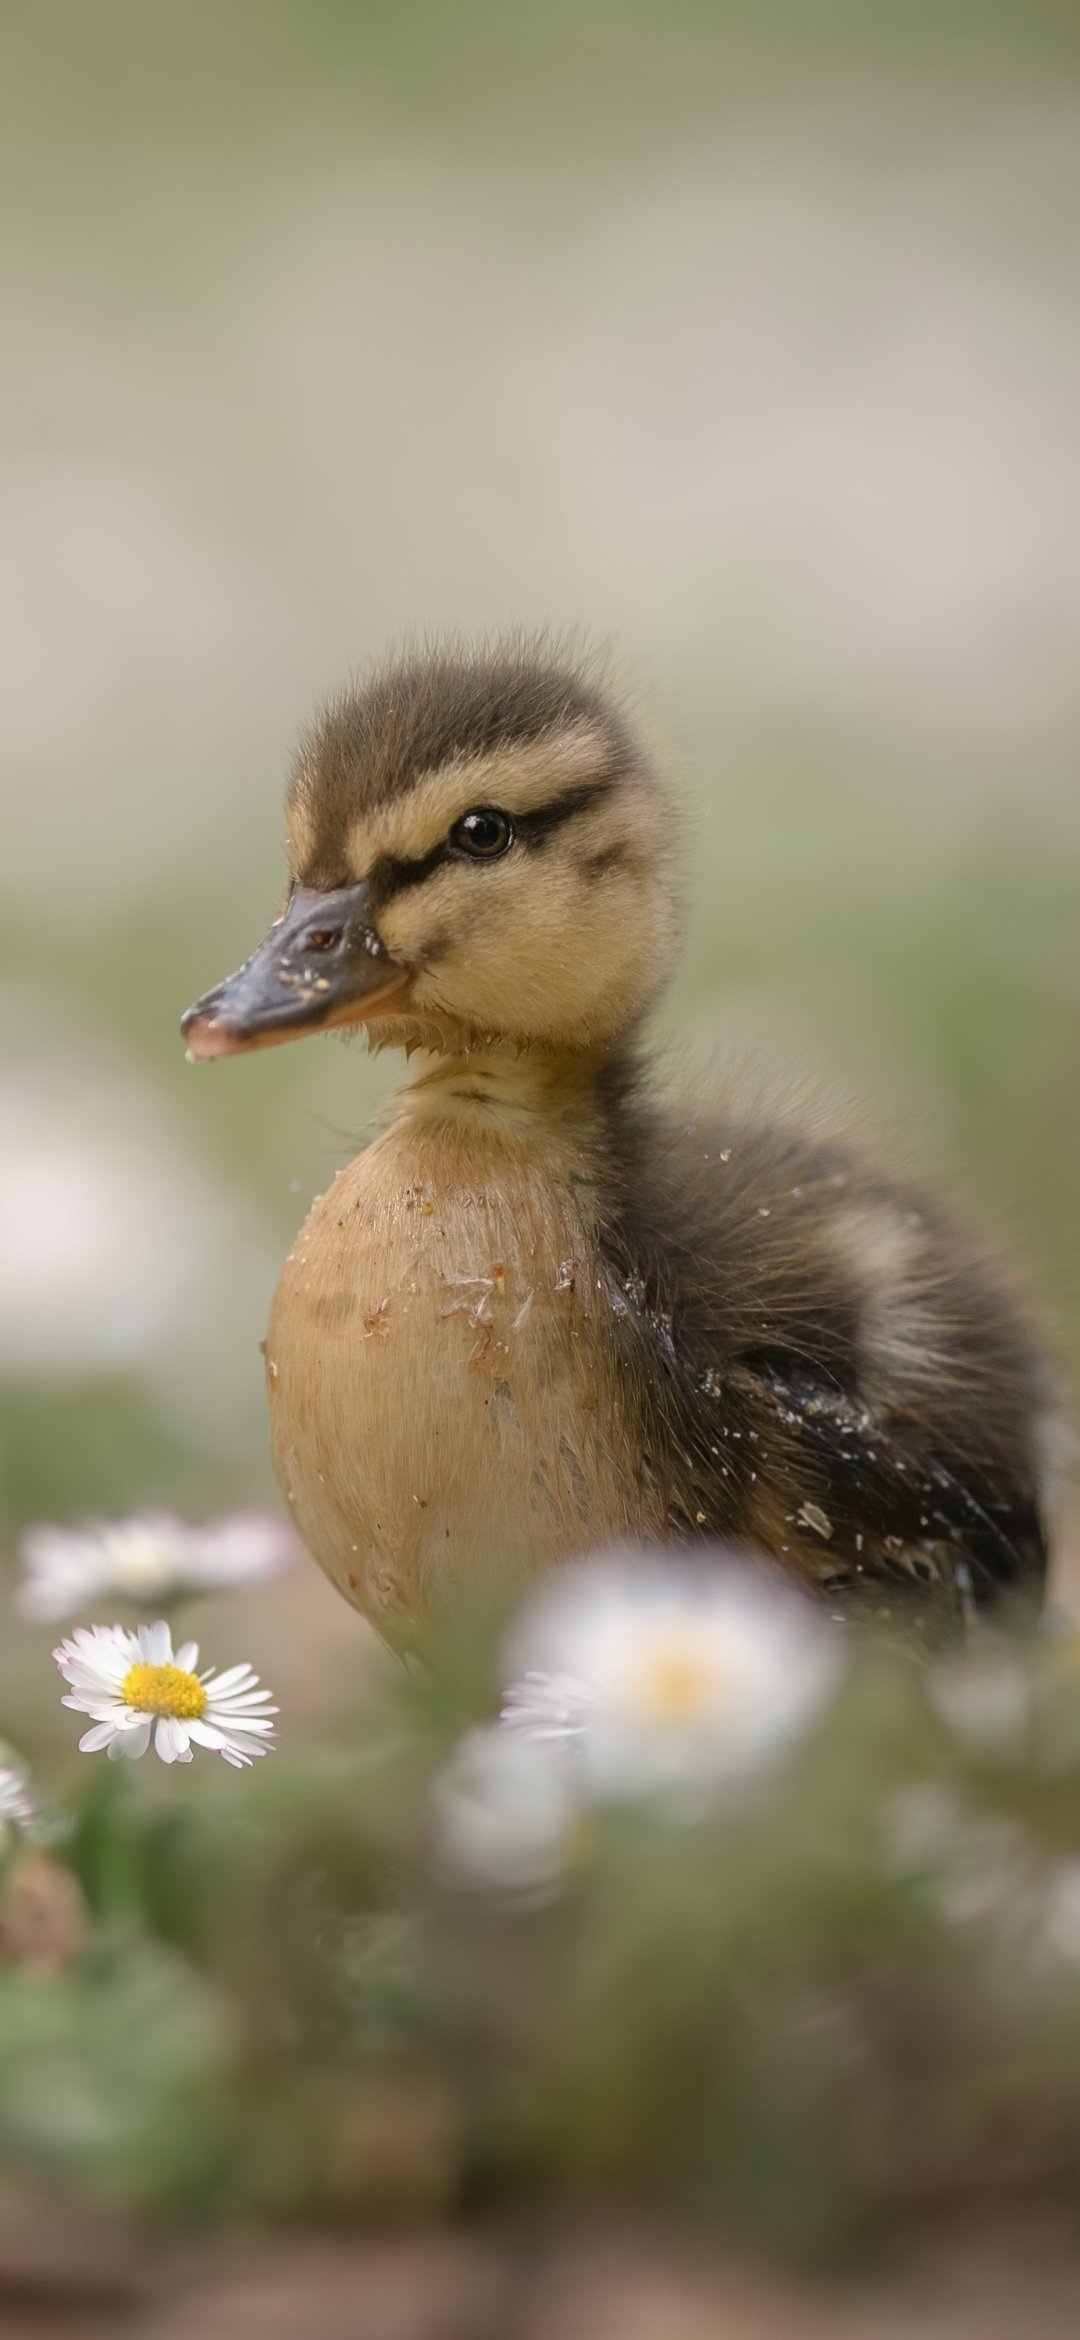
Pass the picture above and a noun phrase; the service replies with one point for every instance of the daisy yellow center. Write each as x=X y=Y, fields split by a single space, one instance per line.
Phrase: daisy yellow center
x=163 y=1690
x=676 y=1683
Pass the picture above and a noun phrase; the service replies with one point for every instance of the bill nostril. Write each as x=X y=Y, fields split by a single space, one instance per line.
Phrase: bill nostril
x=323 y=938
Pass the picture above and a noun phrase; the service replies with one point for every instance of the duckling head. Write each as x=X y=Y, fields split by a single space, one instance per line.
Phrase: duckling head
x=479 y=851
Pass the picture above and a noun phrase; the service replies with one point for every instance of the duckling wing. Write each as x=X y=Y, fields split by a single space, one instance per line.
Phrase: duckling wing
x=884 y=1512
x=829 y=1372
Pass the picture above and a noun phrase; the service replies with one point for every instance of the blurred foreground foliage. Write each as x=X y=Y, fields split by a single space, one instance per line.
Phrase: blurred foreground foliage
x=849 y=1992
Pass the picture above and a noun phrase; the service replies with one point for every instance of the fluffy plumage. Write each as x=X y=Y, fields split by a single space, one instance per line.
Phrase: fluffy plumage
x=544 y=1310
x=836 y=1374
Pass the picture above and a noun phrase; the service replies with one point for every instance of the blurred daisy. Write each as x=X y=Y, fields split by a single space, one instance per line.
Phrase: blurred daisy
x=90 y=1177
x=548 y=1706
x=1014 y=1704
x=975 y=1866
x=17 y=1806
x=985 y=1870
x=671 y=1680
x=506 y=1812
x=983 y=1696
x=150 y=1558
x=122 y=1250
x=135 y=1687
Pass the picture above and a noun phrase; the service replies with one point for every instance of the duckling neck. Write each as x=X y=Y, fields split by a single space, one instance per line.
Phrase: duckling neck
x=517 y=1093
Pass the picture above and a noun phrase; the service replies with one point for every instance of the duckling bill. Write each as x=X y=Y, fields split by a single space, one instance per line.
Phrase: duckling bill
x=545 y=1310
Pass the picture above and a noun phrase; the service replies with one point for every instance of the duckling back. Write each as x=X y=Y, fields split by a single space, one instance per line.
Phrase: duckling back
x=831 y=1373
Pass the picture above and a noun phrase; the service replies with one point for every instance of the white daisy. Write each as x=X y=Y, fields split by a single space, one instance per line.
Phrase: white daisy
x=134 y=1686
x=670 y=1678
x=152 y=1557
x=505 y=1810
x=17 y=1806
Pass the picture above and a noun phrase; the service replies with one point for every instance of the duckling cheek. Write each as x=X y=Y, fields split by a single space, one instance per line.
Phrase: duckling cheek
x=467 y=967
x=546 y=960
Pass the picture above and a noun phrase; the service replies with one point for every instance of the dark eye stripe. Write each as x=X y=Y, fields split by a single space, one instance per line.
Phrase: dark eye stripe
x=534 y=828
x=389 y=876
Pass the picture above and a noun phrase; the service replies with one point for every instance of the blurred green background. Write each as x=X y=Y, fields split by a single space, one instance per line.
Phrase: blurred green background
x=742 y=337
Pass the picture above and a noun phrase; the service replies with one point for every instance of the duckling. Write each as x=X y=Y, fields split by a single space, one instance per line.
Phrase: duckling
x=544 y=1310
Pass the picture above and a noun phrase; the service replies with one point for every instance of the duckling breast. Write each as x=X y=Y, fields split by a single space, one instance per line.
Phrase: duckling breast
x=448 y=1406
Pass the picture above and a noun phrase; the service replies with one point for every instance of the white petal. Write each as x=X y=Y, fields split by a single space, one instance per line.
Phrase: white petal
x=547 y=1706
x=205 y=1734
x=98 y=1658
x=92 y=1661
x=237 y=1701
x=234 y=1678
x=99 y=1709
x=187 y=1657
x=111 y=1644
x=99 y=1736
x=171 y=1740
x=133 y=1743
x=230 y=1693
x=155 y=1642
x=238 y=1711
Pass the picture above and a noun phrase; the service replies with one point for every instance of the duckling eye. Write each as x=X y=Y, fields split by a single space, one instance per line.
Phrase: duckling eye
x=484 y=834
